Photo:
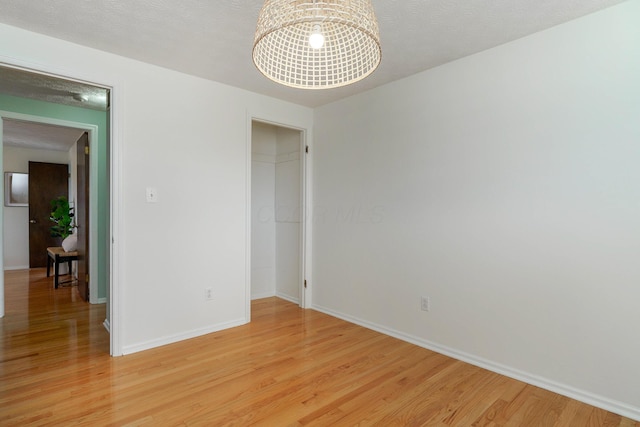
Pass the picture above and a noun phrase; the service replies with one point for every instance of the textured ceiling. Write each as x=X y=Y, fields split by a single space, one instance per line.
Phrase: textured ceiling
x=17 y=133
x=51 y=89
x=213 y=39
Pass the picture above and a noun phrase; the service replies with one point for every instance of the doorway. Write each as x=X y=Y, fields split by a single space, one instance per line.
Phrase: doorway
x=57 y=157
x=277 y=214
x=30 y=81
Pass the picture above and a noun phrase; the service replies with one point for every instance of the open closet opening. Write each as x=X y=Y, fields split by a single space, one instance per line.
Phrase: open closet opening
x=277 y=219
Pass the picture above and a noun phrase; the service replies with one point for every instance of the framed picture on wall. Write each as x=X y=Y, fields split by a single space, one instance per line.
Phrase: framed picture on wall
x=16 y=189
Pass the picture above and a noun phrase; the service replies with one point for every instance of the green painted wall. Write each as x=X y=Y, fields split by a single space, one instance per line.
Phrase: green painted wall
x=81 y=115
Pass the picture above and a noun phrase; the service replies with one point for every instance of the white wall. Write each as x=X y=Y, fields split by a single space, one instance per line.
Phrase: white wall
x=188 y=138
x=263 y=226
x=288 y=213
x=16 y=218
x=505 y=186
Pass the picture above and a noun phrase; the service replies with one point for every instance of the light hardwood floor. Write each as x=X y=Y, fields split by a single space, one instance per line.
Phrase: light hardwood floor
x=289 y=367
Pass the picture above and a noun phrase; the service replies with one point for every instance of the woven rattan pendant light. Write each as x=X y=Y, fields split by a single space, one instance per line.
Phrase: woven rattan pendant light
x=344 y=34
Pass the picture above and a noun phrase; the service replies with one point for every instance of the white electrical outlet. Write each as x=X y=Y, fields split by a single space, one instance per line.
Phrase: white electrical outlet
x=425 y=304
x=208 y=293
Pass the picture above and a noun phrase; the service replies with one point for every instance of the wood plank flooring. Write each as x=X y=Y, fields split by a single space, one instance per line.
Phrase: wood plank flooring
x=289 y=367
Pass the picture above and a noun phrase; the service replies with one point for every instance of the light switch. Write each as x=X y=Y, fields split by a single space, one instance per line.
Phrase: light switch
x=152 y=195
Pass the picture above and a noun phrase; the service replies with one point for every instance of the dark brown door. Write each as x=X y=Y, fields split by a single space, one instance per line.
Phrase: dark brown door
x=47 y=181
x=82 y=216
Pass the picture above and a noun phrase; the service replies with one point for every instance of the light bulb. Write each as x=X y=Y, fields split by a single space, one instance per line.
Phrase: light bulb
x=316 y=39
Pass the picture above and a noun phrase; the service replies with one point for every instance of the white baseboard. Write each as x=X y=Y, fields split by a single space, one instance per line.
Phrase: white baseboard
x=170 y=339
x=288 y=298
x=261 y=295
x=19 y=267
x=276 y=294
x=602 y=402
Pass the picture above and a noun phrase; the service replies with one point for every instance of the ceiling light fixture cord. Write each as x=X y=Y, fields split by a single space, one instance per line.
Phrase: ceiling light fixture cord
x=317 y=44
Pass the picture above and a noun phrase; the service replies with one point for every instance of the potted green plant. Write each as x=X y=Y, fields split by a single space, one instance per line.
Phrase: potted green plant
x=62 y=217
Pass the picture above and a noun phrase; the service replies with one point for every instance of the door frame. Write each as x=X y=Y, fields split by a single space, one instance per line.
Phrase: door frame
x=305 y=215
x=113 y=322
x=92 y=130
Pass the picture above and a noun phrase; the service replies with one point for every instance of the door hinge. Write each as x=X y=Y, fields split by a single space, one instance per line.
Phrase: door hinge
x=86 y=278
x=86 y=149
x=306 y=149
x=305 y=283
